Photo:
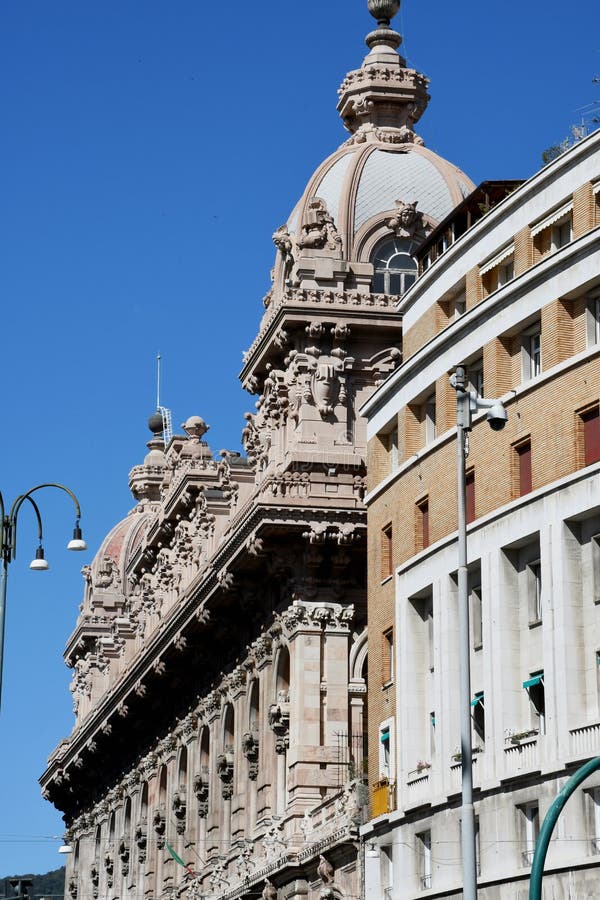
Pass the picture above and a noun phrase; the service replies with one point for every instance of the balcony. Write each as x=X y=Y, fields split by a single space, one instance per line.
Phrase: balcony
x=384 y=797
x=585 y=741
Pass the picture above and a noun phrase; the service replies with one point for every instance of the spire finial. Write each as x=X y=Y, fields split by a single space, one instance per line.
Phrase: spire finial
x=383 y=10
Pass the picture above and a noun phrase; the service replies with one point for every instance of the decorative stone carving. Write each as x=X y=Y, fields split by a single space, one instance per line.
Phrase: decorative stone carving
x=269 y=892
x=141 y=839
x=325 y=871
x=279 y=720
x=225 y=773
x=250 y=750
x=72 y=888
x=159 y=823
x=407 y=221
x=124 y=853
x=107 y=574
x=109 y=865
x=200 y=786
x=285 y=245
x=180 y=810
x=94 y=880
x=318 y=230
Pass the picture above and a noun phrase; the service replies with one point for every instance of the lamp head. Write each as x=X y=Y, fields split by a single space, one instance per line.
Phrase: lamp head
x=77 y=542
x=65 y=848
x=40 y=563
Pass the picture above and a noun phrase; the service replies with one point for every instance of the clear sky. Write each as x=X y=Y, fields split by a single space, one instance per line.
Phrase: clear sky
x=148 y=150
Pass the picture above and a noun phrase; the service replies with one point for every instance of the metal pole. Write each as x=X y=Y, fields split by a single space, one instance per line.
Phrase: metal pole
x=541 y=846
x=469 y=865
x=3 y=576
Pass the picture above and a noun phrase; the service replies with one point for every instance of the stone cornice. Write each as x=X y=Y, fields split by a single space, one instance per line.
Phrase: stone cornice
x=185 y=613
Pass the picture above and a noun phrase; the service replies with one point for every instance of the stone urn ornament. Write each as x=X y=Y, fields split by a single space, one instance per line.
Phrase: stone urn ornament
x=383 y=10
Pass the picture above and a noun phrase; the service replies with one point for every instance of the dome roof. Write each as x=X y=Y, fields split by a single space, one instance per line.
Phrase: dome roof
x=108 y=569
x=383 y=170
x=360 y=182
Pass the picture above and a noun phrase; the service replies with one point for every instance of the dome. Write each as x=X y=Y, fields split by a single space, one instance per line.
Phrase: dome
x=109 y=567
x=382 y=181
x=361 y=182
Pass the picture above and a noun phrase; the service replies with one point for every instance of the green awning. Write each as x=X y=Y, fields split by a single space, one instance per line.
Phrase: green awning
x=385 y=735
x=532 y=682
x=478 y=698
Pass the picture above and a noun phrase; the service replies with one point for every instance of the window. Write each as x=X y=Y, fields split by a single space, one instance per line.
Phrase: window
x=594 y=796
x=386 y=861
x=470 y=495
x=395 y=270
x=424 y=859
x=478 y=715
x=387 y=656
x=530 y=829
x=562 y=232
x=393 y=450
x=386 y=551
x=554 y=231
x=429 y=415
x=499 y=270
x=422 y=524
x=476 y=617
x=386 y=749
x=432 y=734
x=593 y=321
x=476 y=376
x=460 y=305
x=537 y=700
x=531 y=352
x=523 y=468
x=591 y=435
x=534 y=591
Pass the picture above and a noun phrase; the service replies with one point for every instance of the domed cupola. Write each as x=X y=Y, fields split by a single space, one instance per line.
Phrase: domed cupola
x=375 y=199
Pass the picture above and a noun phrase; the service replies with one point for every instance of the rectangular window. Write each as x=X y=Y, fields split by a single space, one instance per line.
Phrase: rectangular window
x=432 y=734
x=386 y=551
x=534 y=591
x=424 y=859
x=523 y=451
x=460 y=305
x=387 y=871
x=562 y=232
x=422 y=525
x=530 y=829
x=593 y=321
x=537 y=700
x=387 y=656
x=531 y=352
x=506 y=272
x=476 y=617
x=476 y=376
x=478 y=715
x=386 y=750
x=594 y=796
x=430 y=416
x=470 y=491
x=591 y=435
x=393 y=450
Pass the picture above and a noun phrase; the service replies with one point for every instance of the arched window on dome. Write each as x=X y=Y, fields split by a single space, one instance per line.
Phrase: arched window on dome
x=394 y=267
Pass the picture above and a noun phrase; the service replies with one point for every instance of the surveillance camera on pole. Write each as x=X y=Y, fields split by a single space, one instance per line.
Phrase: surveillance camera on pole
x=496 y=415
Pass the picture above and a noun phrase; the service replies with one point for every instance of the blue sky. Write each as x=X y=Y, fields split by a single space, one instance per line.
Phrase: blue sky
x=148 y=150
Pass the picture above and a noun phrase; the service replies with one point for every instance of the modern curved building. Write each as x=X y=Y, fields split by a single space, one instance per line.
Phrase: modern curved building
x=220 y=655
x=514 y=296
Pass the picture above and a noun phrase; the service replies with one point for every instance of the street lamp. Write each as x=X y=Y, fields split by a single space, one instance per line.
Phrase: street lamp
x=8 y=545
x=467 y=402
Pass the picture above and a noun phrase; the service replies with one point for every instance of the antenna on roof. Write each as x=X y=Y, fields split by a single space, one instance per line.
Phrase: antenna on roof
x=165 y=413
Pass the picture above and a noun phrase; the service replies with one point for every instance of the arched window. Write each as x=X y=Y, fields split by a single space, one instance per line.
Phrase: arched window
x=394 y=267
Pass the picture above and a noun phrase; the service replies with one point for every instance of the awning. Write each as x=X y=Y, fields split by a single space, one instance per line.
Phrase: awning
x=532 y=682
x=497 y=259
x=384 y=735
x=552 y=218
x=478 y=698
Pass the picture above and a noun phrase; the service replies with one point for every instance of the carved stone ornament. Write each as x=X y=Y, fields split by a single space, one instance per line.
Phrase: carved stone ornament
x=124 y=854
x=325 y=871
x=179 y=810
x=250 y=751
x=159 y=823
x=107 y=574
x=319 y=231
x=225 y=773
x=141 y=840
x=72 y=888
x=269 y=892
x=200 y=786
x=407 y=221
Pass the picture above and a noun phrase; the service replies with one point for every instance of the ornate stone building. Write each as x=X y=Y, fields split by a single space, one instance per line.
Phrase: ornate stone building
x=219 y=658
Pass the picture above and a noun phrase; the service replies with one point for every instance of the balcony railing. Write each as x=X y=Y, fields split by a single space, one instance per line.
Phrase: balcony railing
x=425 y=882
x=585 y=740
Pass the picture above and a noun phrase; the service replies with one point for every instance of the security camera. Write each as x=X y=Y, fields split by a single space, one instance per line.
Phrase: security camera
x=497 y=416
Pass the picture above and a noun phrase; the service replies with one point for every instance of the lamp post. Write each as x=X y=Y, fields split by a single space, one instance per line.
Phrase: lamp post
x=467 y=402
x=8 y=545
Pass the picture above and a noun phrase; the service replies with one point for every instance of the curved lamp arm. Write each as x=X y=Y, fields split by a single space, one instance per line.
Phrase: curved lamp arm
x=11 y=541
x=19 y=501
